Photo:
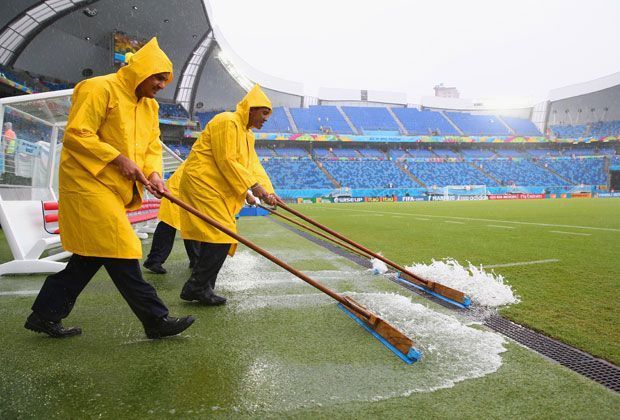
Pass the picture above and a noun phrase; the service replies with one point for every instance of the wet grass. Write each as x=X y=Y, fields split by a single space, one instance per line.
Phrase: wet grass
x=574 y=299
x=248 y=360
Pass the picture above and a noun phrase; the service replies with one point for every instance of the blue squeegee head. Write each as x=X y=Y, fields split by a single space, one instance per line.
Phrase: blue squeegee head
x=463 y=305
x=411 y=357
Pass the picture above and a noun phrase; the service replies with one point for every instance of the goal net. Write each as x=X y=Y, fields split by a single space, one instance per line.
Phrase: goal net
x=457 y=190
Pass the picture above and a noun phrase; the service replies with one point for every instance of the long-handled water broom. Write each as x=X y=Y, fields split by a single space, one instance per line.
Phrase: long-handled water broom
x=445 y=293
x=316 y=232
x=386 y=333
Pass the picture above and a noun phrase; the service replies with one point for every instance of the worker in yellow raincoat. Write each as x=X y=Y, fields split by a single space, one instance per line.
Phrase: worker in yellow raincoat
x=221 y=169
x=110 y=148
x=169 y=222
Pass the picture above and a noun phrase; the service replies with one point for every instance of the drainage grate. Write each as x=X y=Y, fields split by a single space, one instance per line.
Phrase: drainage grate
x=583 y=363
x=598 y=370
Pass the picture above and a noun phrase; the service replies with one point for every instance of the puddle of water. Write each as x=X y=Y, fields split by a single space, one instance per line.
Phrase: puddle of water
x=452 y=352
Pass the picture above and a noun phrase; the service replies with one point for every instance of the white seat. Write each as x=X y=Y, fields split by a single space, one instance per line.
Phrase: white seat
x=22 y=223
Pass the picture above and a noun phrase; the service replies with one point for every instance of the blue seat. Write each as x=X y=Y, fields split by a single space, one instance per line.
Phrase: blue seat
x=424 y=122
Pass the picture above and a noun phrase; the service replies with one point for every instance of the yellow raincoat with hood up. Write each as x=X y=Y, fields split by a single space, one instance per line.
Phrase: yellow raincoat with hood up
x=107 y=119
x=220 y=169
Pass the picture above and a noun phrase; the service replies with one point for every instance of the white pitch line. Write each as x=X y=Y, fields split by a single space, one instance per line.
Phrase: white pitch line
x=571 y=233
x=482 y=220
x=500 y=226
x=452 y=221
x=20 y=293
x=553 y=260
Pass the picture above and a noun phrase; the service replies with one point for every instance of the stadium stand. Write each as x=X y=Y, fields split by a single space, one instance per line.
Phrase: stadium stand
x=321 y=153
x=296 y=173
x=540 y=153
x=477 y=153
x=320 y=119
x=265 y=152
x=424 y=122
x=346 y=153
x=521 y=172
x=204 y=117
x=478 y=125
x=371 y=118
x=174 y=111
x=34 y=82
x=448 y=173
x=605 y=128
x=522 y=126
x=368 y=174
x=277 y=123
x=372 y=153
x=26 y=129
x=510 y=153
x=569 y=131
x=446 y=153
x=292 y=152
x=590 y=171
x=421 y=153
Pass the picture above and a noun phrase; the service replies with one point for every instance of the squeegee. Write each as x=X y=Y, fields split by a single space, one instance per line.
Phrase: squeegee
x=438 y=290
x=387 y=334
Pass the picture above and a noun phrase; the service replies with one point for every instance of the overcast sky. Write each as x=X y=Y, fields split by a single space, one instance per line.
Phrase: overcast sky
x=485 y=48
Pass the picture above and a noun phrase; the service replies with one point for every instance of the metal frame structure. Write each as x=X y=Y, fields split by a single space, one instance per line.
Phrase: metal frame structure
x=18 y=33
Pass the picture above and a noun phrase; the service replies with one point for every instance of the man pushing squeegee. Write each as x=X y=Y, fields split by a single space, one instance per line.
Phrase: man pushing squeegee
x=219 y=170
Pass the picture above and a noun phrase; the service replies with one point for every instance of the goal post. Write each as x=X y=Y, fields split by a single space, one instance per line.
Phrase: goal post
x=456 y=190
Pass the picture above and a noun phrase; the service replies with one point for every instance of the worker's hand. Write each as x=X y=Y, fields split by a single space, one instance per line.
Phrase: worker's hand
x=129 y=169
x=262 y=193
x=156 y=185
x=259 y=191
x=250 y=199
x=271 y=199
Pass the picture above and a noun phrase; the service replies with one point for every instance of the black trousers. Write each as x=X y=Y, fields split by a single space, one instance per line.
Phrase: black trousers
x=163 y=241
x=208 y=265
x=60 y=291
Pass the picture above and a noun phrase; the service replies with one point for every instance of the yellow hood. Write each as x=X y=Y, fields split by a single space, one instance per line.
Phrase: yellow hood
x=149 y=60
x=254 y=98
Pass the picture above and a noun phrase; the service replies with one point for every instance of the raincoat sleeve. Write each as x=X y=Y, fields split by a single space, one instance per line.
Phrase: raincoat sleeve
x=223 y=145
x=88 y=112
x=153 y=160
x=259 y=173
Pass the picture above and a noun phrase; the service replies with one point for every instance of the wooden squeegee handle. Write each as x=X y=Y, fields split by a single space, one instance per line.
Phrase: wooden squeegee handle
x=355 y=244
x=266 y=254
x=316 y=232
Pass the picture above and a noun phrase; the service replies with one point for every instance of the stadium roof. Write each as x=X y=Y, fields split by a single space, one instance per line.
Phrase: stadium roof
x=62 y=38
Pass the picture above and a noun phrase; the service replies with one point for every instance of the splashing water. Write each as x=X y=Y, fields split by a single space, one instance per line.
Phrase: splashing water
x=452 y=352
x=378 y=266
x=485 y=289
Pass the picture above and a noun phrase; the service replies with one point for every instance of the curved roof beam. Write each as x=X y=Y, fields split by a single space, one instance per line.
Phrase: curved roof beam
x=186 y=88
x=20 y=31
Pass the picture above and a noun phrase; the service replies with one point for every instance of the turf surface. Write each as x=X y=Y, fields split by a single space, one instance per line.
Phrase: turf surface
x=573 y=299
x=257 y=358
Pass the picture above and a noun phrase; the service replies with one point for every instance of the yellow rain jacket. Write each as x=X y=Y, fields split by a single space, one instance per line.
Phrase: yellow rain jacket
x=107 y=119
x=220 y=168
x=170 y=213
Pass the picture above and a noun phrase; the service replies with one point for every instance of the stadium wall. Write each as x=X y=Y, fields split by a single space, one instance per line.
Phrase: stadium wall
x=607 y=98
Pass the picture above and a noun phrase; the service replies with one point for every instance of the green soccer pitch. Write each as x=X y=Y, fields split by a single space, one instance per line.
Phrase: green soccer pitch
x=280 y=348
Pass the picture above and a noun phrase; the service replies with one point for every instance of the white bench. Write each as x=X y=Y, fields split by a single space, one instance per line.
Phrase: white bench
x=22 y=223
